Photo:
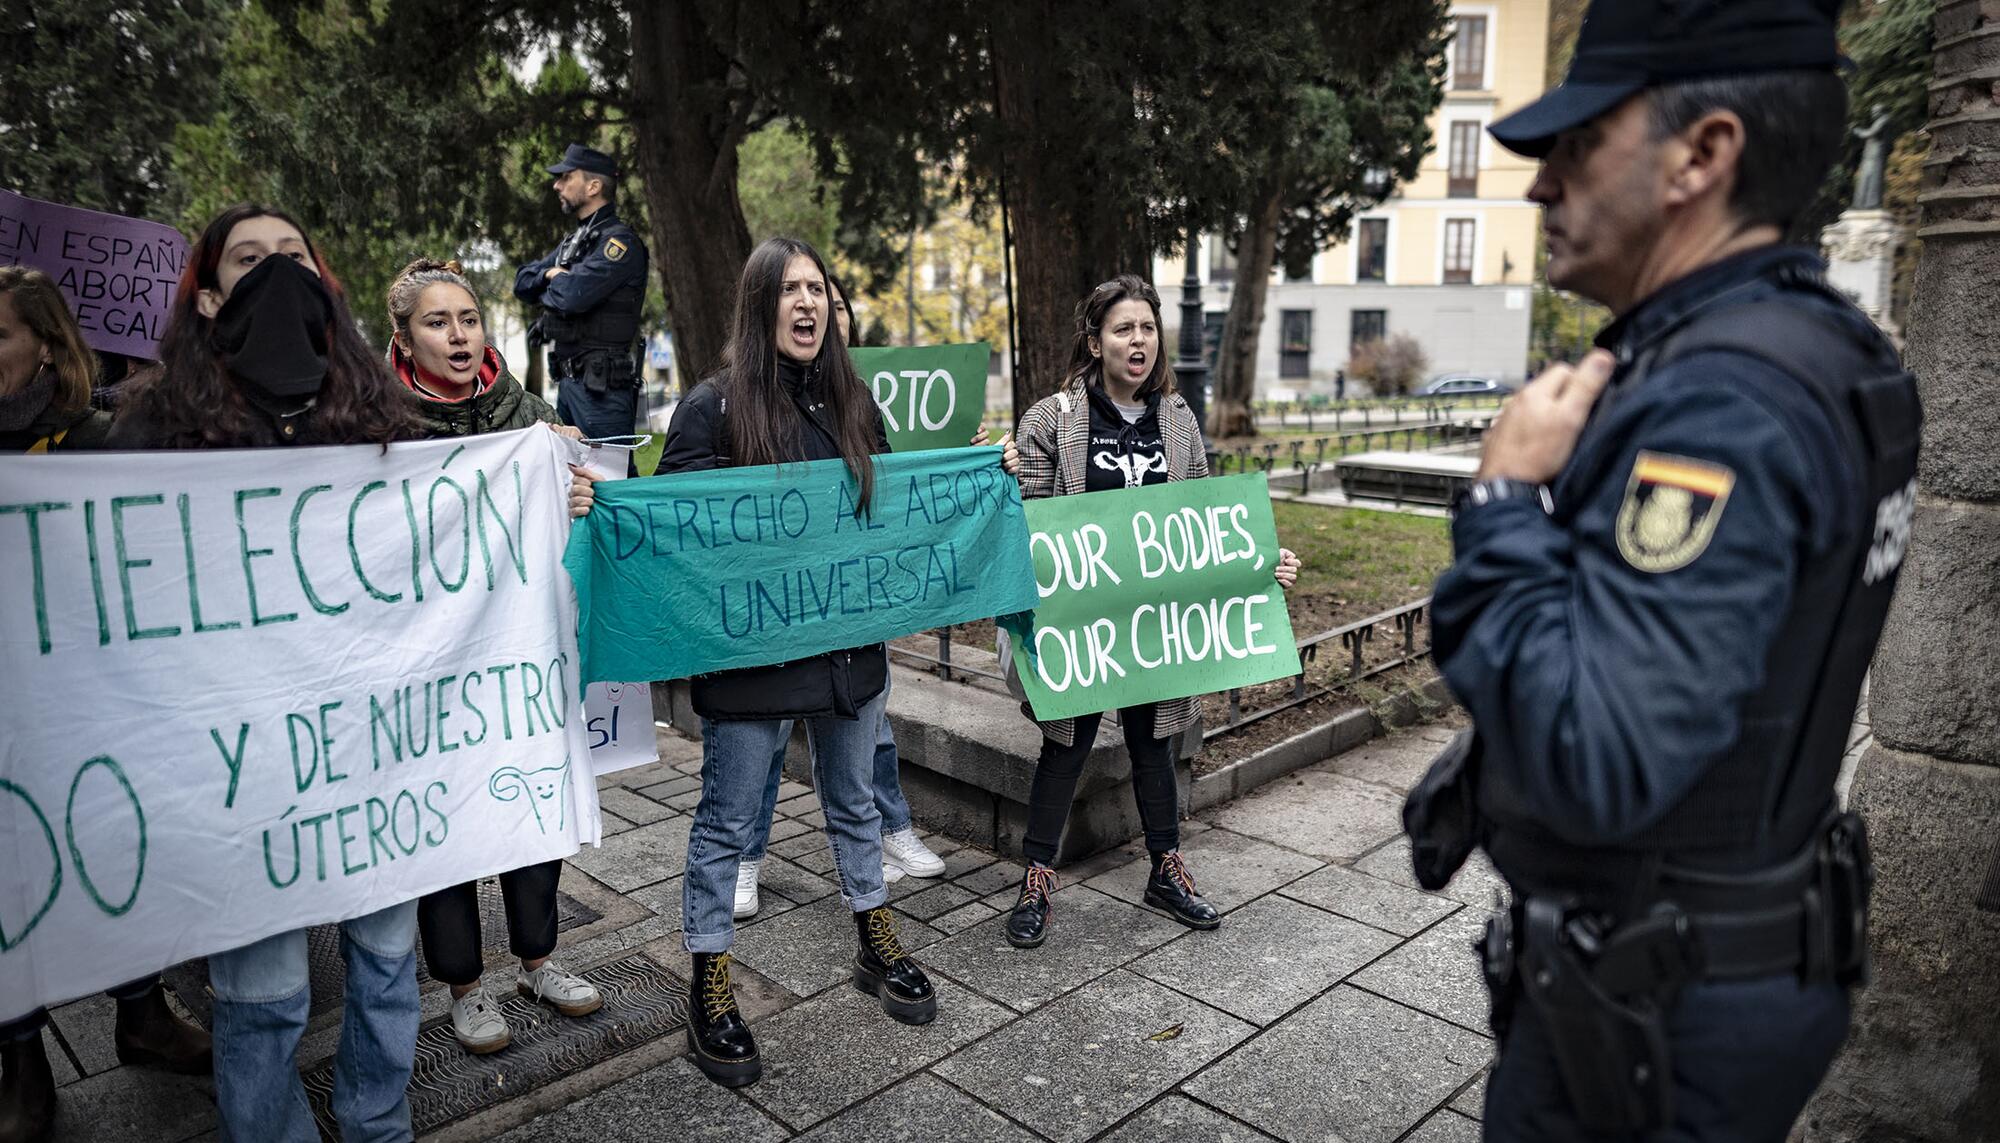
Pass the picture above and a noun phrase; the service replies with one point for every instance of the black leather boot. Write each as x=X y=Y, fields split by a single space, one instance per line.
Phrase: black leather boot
x=717 y=1036
x=148 y=1033
x=27 y=1091
x=1171 y=890
x=883 y=970
x=1028 y=924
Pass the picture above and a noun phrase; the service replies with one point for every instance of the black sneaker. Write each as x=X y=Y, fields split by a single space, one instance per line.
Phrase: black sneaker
x=1171 y=890
x=1028 y=924
x=883 y=970
x=718 y=1039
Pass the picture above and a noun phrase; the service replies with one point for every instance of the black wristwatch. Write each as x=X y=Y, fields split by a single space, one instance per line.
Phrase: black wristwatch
x=1492 y=488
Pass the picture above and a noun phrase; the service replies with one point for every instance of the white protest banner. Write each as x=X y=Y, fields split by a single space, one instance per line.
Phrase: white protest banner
x=251 y=691
x=618 y=716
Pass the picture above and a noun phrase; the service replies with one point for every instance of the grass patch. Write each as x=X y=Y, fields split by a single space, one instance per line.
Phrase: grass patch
x=1370 y=560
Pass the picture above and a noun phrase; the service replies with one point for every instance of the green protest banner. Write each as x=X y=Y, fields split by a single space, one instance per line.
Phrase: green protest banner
x=932 y=396
x=1154 y=593
x=744 y=567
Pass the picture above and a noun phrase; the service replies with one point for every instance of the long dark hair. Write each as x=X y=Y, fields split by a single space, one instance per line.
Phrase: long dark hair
x=191 y=400
x=40 y=304
x=763 y=423
x=1090 y=314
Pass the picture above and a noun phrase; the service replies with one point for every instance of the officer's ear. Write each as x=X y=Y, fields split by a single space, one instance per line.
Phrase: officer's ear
x=1705 y=158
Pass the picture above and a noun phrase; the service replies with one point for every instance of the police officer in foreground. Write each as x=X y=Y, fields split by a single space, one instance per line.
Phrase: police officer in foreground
x=590 y=289
x=1670 y=575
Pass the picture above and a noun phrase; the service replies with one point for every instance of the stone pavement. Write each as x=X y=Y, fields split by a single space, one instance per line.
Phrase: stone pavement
x=1337 y=1001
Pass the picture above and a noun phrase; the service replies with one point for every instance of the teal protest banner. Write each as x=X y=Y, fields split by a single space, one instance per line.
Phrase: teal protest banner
x=932 y=396
x=1153 y=593
x=744 y=567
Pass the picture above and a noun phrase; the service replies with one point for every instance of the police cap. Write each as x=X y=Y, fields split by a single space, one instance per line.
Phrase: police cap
x=581 y=158
x=1626 y=46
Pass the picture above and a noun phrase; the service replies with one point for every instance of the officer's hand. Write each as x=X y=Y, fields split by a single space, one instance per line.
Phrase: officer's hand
x=550 y=273
x=1010 y=454
x=582 y=492
x=1536 y=430
x=570 y=431
x=1287 y=573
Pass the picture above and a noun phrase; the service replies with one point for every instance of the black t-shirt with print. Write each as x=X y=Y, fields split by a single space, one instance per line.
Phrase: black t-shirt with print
x=1126 y=450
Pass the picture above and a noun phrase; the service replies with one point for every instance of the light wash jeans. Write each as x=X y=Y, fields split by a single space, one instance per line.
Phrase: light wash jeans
x=738 y=767
x=889 y=800
x=262 y=999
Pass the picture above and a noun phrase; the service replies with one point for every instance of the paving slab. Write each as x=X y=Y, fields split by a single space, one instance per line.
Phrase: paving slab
x=632 y=807
x=1178 y=1119
x=1397 y=761
x=87 y=1025
x=1349 y=1066
x=793 y=882
x=825 y=1054
x=678 y=784
x=685 y=802
x=1477 y=882
x=639 y=777
x=1371 y=900
x=919 y=1110
x=1075 y=1067
x=800 y=805
x=811 y=948
x=1327 y=815
x=671 y=1101
x=784 y=829
x=638 y=857
x=134 y=1105
x=991 y=878
x=1268 y=958
x=963 y=917
x=1229 y=869
x=788 y=789
x=1089 y=935
x=929 y=898
x=1437 y=972
x=1445 y=1127
x=964 y=860
x=1472 y=1101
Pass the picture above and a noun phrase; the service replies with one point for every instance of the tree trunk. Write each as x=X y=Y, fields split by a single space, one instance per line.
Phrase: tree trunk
x=1229 y=412
x=1067 y=238
x=1922 y=1058
x=687 y=127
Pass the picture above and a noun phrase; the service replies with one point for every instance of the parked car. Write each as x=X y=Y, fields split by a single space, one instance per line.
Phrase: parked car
x=1463 y=385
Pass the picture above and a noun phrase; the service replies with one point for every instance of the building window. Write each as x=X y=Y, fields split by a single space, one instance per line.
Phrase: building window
x=1371 y=254
x=1464 y=160
x=1364 y=326
x=1458 y=243
x=1468 y=54
x=1221 y=261
x=1295 y=342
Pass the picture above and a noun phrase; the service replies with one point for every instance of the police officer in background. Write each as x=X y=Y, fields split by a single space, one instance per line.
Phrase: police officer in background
x=1670 y=574
x=590 y=289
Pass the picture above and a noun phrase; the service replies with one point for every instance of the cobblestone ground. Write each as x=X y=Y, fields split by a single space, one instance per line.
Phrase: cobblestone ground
x=1336 y=1000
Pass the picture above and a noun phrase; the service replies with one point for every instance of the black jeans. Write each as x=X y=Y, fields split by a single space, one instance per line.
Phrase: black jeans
x=448 y=921
x=1060 y=766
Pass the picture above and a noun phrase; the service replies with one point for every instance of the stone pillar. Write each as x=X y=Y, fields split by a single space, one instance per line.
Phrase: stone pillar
x=1923 y=1061
x=1861 y=260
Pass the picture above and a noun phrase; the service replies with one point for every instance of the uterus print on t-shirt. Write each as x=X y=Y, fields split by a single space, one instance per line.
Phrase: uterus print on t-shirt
x=1138 y=458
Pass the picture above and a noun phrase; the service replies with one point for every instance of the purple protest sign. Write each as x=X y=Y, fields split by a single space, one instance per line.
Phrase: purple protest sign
x=118 y=273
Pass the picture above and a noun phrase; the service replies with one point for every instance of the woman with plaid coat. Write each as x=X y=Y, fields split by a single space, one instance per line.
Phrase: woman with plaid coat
x=1116 y=423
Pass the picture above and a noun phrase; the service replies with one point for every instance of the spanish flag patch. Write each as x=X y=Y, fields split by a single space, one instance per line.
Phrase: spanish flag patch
x=614 y=249
x=1672 y=505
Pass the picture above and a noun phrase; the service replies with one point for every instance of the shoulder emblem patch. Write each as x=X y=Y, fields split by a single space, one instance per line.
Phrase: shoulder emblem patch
x=614 y=248
x=1672 y=505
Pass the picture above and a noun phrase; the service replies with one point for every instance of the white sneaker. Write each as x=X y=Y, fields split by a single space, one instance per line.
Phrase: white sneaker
x=747 y=903
x=904 y=850
x=477 y=1024
x=892 y=873
x=567 y=994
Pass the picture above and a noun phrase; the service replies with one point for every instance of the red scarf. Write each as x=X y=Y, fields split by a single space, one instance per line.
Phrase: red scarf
x=427 y=385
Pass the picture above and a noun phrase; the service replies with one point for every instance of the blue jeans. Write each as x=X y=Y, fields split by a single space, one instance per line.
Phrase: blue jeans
x=889 y=800
x=734 y=818
x=262 y=999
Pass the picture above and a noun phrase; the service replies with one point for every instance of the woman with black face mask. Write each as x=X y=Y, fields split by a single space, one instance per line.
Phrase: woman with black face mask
x=260 y=351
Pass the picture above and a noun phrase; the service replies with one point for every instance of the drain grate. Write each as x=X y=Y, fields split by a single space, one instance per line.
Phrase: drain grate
x=642 y=1002
x=328 y=972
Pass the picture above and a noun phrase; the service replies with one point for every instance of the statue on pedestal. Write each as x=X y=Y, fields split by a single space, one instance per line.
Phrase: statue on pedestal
x=1874 y=161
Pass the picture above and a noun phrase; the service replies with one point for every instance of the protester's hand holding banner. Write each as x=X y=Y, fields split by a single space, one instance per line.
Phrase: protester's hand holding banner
x=1153 y=593
x=617 y=716
x=931 y=396
x=245 y=697
x=744 y=567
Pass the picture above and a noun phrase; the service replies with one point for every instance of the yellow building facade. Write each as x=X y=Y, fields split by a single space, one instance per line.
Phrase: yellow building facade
x=1448 y=260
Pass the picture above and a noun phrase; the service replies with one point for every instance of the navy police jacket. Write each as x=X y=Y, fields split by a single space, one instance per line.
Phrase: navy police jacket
x=1608 y=649
x=597 y=300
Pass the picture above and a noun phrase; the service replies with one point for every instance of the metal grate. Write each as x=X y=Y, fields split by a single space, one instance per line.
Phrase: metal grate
x=642 y=1002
